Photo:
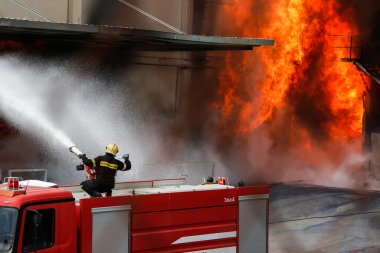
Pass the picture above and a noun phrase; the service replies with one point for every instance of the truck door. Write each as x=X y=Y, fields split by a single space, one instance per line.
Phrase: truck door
x=40 y=233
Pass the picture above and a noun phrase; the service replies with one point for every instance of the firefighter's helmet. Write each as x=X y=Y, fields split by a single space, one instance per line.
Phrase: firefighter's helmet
x=112 y=149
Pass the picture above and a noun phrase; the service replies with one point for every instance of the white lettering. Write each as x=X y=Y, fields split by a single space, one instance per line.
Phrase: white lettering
x=227 y=200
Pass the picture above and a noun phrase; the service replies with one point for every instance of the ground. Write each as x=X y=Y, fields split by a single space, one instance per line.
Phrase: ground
x=307 y=218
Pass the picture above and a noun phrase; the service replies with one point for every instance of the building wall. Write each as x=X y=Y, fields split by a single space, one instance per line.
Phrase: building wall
x=177 y=13
x=55 y=10
x=375 y=157
x=162 y=77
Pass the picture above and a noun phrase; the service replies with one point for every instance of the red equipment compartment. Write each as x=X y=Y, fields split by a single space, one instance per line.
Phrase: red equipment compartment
x=184 y=221
x=86 y=218
x=183 y=200
x=183 y=217
x=253 y=218
x=253 y=190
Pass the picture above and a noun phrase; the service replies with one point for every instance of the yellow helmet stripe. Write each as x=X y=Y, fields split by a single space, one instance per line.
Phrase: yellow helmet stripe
x=108 y=165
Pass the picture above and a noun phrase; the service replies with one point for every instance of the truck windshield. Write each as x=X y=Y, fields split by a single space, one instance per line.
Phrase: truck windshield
x=8 y=221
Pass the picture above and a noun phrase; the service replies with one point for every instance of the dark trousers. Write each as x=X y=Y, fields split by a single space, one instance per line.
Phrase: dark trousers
x=94 y=188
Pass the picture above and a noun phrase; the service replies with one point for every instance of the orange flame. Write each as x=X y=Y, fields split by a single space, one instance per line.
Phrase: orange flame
x=302 y=74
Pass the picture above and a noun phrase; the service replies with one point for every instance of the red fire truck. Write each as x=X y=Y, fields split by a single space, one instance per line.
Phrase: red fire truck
x=145 y=216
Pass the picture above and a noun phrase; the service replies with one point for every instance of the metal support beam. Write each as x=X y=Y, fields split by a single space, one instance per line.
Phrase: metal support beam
x=32 y=11
x=151 y=16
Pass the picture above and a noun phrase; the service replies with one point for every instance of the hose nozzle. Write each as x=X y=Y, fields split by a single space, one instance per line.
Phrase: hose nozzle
x=75 y=151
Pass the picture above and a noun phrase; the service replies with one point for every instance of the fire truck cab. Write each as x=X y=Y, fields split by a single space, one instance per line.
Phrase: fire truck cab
x=145 y=216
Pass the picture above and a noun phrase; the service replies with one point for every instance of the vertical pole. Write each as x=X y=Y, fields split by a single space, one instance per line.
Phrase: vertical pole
x=32 y=11
x=149 y=15
x=178 y=91
x=75 y=11
x=351 y=46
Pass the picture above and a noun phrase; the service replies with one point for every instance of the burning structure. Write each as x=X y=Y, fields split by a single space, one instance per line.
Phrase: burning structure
x=290 y=112
x=295 y=111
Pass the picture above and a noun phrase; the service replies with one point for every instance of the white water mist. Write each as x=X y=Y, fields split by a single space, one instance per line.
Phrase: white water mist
x=52 y=104
x=20 y=112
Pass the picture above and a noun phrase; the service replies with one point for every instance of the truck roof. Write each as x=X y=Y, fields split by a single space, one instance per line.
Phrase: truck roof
x=47 y=192
x=34 y=194
x=148 y=187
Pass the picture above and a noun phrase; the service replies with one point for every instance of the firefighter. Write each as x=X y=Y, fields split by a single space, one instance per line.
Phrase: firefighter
x=106 y=167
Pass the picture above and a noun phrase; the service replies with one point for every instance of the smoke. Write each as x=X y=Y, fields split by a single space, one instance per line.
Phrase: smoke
x=260 y=157
x=367 y=18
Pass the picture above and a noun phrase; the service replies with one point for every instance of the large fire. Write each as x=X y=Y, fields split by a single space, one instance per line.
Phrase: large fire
x=301 y=78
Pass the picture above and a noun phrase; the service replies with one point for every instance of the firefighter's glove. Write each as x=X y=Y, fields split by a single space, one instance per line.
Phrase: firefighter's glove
x=125 y=157
x=80 y=167
x=82 y=156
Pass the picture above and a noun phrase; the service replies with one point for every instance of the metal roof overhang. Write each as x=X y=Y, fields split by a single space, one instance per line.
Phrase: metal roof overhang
x=371 y=70
x=73 y=35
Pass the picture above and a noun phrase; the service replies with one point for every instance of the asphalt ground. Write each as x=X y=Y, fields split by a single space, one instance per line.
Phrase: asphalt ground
x=309 y=218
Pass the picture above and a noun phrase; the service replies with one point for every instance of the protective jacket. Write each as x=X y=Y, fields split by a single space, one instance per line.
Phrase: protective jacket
x=106 y=167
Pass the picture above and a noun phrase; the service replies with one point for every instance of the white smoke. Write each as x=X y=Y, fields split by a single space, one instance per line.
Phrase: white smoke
x=333 y=163
x=58 y=108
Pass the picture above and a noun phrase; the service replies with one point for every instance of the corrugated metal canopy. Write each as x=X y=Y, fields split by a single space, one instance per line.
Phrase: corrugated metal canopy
x=121 y=37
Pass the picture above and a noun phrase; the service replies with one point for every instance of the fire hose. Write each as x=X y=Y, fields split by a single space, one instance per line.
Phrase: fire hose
x=90 y=171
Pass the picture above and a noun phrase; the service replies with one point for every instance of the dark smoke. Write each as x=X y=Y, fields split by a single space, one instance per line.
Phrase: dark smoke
x=368 y=20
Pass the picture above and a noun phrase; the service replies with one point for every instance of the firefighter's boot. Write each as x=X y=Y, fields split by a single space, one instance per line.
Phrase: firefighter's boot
x=96 y=194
